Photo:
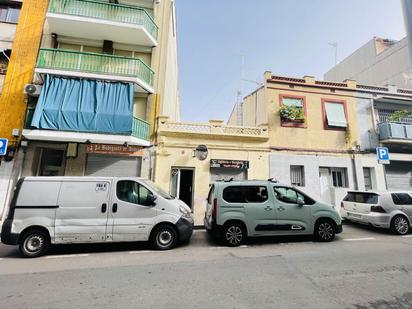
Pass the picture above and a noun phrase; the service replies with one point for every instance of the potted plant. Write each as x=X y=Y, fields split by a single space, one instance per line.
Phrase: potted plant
x=292 y=113
x=397 y=116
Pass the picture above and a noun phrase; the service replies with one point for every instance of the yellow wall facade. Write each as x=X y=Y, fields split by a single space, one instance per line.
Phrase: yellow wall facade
x=21 y=66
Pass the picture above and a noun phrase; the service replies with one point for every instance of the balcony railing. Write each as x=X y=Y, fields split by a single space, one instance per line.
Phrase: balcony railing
x=140 y=129
x=395 y=131
x=60 y=59
x=106 y=11
x=212 y=128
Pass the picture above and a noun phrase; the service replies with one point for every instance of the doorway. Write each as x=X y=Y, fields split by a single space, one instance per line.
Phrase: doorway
x=324 y=177
x=182 y=184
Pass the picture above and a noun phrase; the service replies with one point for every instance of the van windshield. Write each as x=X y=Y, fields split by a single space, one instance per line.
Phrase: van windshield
x=157 y=189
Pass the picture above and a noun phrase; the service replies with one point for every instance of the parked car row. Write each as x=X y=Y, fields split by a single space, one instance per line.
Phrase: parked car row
x=63 y=210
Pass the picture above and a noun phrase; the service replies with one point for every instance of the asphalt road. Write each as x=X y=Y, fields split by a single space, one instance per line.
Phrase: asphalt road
x=363 y=268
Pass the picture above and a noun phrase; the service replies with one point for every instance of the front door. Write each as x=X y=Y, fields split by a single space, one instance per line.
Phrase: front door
x=182 y=185
x=291 y=217
x=324 y=177
x=83 y=212
x=131 y=216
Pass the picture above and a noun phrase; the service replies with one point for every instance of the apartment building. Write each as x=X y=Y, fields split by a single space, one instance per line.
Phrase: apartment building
x=104 y=71
x=313 y=132
x=9 y=17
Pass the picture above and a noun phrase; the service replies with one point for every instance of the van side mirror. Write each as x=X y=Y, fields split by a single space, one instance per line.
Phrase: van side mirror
x=300 y=201
x=151 y=200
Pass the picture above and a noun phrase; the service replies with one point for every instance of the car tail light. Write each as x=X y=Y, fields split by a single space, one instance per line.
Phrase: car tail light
x=377 y=208
x=214 y=209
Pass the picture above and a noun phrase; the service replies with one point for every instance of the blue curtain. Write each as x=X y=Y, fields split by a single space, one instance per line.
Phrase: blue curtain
x=84 y=106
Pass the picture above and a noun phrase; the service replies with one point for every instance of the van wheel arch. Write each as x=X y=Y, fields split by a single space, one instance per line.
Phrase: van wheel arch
x=34 y=227
x=237 y=221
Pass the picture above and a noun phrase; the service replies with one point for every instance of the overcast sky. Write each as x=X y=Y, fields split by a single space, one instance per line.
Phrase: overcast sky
x=287 y=37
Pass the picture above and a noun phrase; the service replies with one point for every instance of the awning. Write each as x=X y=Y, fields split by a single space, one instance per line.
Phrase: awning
x=83 y=105
x=335 y=115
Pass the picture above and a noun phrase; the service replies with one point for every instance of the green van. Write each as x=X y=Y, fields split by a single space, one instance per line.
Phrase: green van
x=240 y=209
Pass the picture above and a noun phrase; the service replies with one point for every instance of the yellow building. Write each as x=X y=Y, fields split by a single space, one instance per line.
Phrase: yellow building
x=233 y=152
x=314 y=138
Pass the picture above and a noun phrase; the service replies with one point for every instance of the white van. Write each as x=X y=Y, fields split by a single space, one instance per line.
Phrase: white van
x=67 y=210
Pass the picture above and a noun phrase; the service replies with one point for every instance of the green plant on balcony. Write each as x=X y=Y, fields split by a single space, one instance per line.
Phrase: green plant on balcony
x=292 y=113
x=397 y=116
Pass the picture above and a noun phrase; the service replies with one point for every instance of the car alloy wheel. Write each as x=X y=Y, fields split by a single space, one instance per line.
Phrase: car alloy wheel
x=325 y=231
x=401 y=225
x=234 y=235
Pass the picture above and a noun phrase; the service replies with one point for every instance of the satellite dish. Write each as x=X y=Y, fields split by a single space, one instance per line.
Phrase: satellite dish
x=201 y=152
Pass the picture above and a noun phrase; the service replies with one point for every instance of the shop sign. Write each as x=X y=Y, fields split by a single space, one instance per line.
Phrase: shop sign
x=114 y=149
x=235 y=164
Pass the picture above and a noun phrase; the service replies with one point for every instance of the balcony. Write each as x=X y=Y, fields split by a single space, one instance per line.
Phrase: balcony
x=140 y=134
x=95 y=66
x=391 y=132
x=212 y=129
x=99 y=20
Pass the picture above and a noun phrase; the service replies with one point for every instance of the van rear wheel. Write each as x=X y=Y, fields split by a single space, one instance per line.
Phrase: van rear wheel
x=233 y=234
x=164 y=237
x=34 y=243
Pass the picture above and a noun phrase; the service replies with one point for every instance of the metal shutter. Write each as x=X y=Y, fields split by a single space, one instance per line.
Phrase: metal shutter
x=102 y=165
x=399 y=175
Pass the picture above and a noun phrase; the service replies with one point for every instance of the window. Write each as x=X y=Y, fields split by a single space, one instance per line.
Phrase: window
x=339 y=177
x=131 y=192
x=367 y=177
x=297 y=175
x=52 y=162
x=402 y=199
x=245 y=194
x=292 y=111
x=290 y=196
x=334 y=114
x=363 y=198
x=9 y=14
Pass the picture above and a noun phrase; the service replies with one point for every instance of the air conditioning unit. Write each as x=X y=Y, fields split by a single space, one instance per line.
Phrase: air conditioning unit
x=32 y=90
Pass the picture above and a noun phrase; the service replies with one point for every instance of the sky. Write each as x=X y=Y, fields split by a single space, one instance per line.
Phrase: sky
x=287 y=37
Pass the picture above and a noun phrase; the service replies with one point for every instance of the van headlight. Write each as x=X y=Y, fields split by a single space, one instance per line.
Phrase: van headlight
x=185 y=213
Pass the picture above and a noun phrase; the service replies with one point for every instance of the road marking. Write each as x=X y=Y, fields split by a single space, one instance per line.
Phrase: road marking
x=66 y=256
x=359 y=239
x=407 y=236
x=1 y=259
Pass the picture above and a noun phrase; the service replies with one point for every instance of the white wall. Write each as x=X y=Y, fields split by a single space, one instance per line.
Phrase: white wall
x=7 y=32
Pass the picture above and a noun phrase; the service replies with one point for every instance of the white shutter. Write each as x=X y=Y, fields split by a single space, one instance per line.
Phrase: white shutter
x=103 y=165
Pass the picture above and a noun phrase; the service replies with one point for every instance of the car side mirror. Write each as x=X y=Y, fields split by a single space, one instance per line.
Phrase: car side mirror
x=300 y=201
x=151 y=200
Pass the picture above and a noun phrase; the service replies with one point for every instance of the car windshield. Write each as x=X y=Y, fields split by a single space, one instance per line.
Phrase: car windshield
x=157 y=189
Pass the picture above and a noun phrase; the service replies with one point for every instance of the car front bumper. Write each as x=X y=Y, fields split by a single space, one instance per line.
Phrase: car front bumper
x=374 y=218
x=185 y=229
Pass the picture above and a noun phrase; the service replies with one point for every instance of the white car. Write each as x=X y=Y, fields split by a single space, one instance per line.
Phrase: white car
x=389 y=210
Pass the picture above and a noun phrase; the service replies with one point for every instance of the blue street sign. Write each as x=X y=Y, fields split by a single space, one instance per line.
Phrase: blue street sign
x=3 y=146
x=383 y=155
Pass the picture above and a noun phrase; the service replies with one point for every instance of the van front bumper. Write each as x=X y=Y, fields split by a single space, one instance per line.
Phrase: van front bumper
x=185 y=228
x=7 y=237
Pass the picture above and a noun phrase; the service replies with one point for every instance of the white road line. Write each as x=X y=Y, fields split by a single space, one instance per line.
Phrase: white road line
x=407 y=236
x=1 y=259
x=66 y=256
x=359 y=239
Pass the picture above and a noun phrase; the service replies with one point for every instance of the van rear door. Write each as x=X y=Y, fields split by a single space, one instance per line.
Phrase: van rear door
x=360 y=202
x=83 y=211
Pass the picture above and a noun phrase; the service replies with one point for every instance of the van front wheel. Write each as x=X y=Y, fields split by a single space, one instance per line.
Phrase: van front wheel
x=164 y=237
x=34 y=243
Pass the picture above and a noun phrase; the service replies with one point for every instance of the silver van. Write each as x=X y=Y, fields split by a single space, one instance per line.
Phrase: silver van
x=67 y=210
x=239 y=209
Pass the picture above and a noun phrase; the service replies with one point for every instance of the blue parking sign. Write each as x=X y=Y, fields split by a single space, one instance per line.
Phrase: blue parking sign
x=3 y=146
x=383 y=155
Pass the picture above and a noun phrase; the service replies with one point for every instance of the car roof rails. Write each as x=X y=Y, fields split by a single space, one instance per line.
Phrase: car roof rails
x=228 y=180
x=273 y=180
